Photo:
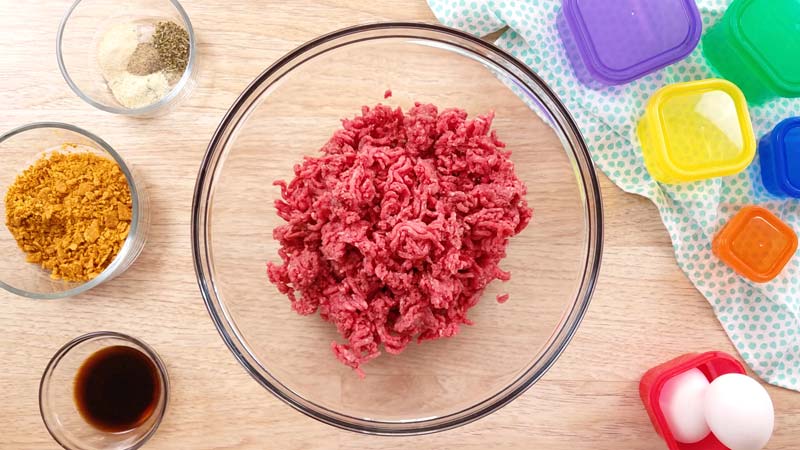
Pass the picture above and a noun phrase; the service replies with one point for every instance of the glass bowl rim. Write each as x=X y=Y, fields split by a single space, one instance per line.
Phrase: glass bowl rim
x=147 y=349
x=106 y=274
x=172 y=95
x=571 y=317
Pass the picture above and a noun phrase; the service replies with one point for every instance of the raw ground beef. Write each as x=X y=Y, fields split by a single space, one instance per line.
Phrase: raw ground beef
x=395 y=231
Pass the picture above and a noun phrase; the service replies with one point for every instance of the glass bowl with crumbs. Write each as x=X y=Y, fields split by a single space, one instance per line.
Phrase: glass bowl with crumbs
x=129 y=57
x=74 y=214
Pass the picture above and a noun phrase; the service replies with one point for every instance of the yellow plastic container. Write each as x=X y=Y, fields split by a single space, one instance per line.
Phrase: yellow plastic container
x=695 y=131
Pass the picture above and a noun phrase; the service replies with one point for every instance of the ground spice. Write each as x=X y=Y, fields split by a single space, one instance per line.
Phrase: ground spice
x=144 y=60
x=70 y=213
x=138 y=91
x=139 y=61
x=172 y=42
x=116 y=47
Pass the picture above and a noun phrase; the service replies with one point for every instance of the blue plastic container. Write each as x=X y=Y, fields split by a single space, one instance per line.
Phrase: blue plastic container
x=779 y=152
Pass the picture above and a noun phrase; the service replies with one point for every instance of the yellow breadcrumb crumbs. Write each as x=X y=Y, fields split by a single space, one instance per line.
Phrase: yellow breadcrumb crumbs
x=70 y=213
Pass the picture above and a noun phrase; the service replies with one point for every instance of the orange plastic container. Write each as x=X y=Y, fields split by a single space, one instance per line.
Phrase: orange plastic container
x=756 y=244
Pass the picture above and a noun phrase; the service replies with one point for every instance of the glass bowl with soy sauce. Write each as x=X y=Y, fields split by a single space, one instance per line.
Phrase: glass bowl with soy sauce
x=104 y=390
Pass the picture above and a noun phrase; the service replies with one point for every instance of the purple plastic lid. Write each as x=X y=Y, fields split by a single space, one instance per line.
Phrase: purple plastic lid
x=622 y=40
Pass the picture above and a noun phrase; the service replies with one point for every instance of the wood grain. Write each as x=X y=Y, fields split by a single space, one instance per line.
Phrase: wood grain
x=644 y=311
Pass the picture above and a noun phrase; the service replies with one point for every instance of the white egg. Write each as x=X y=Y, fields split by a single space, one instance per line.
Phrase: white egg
x=682 y=402
x=739 y=412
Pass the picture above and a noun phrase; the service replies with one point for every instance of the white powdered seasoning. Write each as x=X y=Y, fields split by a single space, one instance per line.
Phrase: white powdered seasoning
x=116 y=47
x=138 y=91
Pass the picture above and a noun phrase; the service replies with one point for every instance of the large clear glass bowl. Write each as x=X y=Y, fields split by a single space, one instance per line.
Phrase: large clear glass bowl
x=289 y=112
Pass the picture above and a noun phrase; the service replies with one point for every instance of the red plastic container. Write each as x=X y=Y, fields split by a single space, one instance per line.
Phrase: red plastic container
x=712 y=364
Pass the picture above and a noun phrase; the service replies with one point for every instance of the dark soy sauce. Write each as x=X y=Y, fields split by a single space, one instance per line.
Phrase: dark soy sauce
x=117 y=388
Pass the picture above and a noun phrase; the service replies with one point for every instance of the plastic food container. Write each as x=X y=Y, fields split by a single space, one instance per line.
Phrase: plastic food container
x=615 y=42
x=696 y=130
x=756 y=244
x=712 y=364
x=779 y=152
x=757 y=46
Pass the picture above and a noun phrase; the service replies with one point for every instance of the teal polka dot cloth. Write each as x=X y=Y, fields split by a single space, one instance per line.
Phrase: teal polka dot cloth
x=762 y=320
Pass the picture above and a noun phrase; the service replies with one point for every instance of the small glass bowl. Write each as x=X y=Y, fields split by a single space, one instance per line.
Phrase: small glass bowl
x=57 y=397
x=19 y=149
x=77 y=42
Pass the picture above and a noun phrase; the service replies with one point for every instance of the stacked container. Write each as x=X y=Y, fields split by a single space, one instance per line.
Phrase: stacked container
x=779 y=152
x=615 y=42
x=696 y=130
x=757 y=46
x=756 y=244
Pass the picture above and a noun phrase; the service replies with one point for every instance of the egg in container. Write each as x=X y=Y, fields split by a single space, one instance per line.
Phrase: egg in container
x=711 y=364
x=737 y=413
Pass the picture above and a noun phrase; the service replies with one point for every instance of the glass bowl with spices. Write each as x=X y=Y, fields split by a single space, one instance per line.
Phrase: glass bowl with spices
x=131 y=57
x=74 y=215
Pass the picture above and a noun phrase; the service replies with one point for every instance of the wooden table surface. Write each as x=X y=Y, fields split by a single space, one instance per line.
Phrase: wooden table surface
x=644 y=311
